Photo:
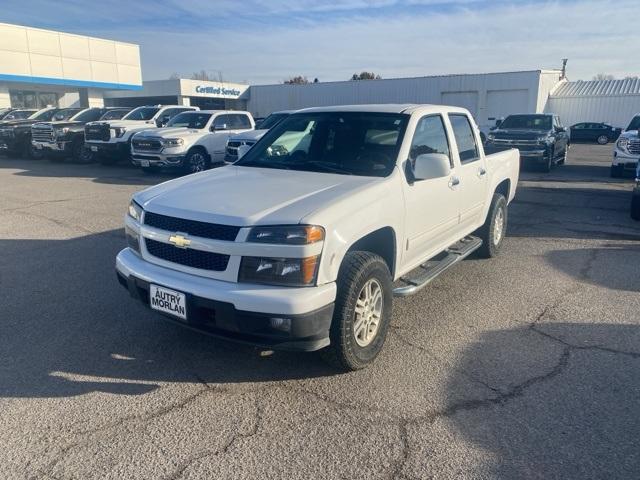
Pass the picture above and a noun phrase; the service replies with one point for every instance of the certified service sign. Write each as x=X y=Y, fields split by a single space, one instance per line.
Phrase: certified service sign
x=218 y=91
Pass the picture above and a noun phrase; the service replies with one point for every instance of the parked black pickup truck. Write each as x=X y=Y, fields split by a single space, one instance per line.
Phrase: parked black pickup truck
x=61 y=139
x=541 y=139
x=15 y=135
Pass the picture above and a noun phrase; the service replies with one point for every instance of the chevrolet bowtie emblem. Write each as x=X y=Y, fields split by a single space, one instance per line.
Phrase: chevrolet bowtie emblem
x=179 y=241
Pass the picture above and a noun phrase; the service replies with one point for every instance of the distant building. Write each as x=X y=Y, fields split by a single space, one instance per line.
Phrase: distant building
x=40 y=68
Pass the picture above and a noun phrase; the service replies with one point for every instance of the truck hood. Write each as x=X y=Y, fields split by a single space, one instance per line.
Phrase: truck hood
x=126 y=123
x=246 y=196
x=251 y=135
x=519 y=134
x=630 y=134
x=13 y=123
x=172 y=132
x=60 y=124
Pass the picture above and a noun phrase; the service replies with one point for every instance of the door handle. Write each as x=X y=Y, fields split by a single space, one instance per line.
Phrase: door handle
x=482 y=172
x=454 y=181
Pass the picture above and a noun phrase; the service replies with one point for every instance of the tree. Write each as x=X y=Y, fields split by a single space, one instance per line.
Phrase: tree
x=299 y=80
x=365 y=76
x=603 y=76
x=202 y=75
x=174 y=76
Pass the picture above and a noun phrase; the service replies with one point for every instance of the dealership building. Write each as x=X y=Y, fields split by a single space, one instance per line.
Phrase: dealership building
x=40 y=68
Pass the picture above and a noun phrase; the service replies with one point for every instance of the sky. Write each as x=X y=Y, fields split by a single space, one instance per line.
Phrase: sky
x=268 y=41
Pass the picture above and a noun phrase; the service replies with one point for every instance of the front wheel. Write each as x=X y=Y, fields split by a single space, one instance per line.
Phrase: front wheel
x=196 y=161
x=494 y=229
x=602 y=140
x=362 y=311
x=80 y=153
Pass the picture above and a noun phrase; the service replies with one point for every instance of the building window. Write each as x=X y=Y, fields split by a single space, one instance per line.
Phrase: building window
x=31 y=99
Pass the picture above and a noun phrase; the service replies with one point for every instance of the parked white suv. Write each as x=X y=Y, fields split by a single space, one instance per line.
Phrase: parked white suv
x=626 y=155
x=110 y=141
x=191 y=141
x=251 y=137
x=299 y=250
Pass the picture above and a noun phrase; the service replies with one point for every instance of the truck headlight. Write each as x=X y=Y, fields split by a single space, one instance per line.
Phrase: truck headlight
x=119 y=131
x=291 y=272
x=622 y=143
x=172 y=142
x=287 y=235
x=135 y=211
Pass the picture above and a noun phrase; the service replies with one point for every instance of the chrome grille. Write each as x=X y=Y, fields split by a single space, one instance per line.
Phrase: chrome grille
x=232 y=146
x=42 y=133
x=514 y=142
x=146 y=145
x=634 y=146
x=6 y=132
x=196 y=228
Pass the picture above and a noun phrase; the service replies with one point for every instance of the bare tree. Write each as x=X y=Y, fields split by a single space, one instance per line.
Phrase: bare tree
x=298 y=80
x=365 y=76
x=174 y=76
x=603 y=76
x=202 y=75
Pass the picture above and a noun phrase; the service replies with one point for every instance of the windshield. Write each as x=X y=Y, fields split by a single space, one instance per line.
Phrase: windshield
x=90 y=115
x=347 y=143
x=65 y=114
x=271 y=121
x=527 y=122
x=44 y=115
x=21 y=114
x=190 y=120
x=141 y=113
x=635 y=123
x=114 y=115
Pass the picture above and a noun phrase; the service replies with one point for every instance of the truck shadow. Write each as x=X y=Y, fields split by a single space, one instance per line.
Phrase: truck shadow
x=69 y=328
x=566 y=403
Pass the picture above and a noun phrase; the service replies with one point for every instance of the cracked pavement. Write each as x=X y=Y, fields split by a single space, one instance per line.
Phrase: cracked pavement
x=524 y=366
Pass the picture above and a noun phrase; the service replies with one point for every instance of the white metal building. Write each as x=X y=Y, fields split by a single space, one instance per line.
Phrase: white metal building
x=200 y=93
x=487 y=96
x=43 y=67
x=611 y=101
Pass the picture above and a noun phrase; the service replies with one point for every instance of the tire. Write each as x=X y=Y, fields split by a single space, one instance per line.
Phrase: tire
x=197 y=161
x=363 y=280
x=494 y=229
x=635 y=204
x=150 y=170
x=602 y=140
x=617 y=171
x=548 y=162
x=565 y=155
x=80 y=153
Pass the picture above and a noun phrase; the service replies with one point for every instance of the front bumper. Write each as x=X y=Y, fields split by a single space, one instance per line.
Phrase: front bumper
x=62 y=146
x=157 y=159
x=111 y=150
x=239 y=312
x=626 y=160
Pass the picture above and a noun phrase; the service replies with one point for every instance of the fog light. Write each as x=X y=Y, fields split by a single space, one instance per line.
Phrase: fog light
x=279 y=323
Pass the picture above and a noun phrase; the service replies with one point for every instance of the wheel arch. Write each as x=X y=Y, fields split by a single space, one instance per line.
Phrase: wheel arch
x=382 y=242
x=200 y=148
x=504 y=188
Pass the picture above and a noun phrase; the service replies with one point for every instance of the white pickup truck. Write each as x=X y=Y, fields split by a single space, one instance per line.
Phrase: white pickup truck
x=300 y=249
x=191 y=141
x=110 y=141
x=626 y=155
x=250 y=137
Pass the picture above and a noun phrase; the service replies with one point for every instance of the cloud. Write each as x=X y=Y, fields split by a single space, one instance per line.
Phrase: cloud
x=263 y=41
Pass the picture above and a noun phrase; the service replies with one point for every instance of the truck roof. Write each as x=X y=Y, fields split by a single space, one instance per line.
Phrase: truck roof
x=386 y=108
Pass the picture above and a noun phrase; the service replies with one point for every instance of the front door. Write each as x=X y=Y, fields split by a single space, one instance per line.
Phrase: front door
x=432 y=205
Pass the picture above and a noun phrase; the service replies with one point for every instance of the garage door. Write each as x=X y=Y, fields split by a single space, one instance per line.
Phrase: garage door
x=468 y=100
x=501 y=103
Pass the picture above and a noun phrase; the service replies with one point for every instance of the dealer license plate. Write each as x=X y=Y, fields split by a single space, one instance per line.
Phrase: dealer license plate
x=168 y=301
x=94 y=148
x=144 y=163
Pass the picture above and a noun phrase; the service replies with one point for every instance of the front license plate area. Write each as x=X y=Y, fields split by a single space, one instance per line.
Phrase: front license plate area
x=94 y=148
x=168 y=301
x=144 y=163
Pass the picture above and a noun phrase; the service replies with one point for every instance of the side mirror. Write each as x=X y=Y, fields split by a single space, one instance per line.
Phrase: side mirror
x=162 y=121
x=242 y=150
x=431 y=165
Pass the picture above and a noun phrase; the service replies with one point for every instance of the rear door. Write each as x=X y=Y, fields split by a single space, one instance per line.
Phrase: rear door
x=471 y=172
x=578 y=132
x=432 y=205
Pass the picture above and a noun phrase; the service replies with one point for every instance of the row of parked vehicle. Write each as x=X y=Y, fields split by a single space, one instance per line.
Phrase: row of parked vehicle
x=151 y=137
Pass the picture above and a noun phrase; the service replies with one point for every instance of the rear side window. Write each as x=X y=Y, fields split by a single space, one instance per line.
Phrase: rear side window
x=430 y=137
x=465 y=139
x=239 y=121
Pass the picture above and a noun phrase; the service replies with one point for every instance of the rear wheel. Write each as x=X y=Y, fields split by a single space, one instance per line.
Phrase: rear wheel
x=602 y=140
x=80 y=153
x=362 y=311
x=494 y=229
x=197 y=161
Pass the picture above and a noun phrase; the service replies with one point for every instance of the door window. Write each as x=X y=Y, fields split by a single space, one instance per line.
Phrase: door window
x=222 y=122
x=430 y=137
x=465 y=139
x=238 y=121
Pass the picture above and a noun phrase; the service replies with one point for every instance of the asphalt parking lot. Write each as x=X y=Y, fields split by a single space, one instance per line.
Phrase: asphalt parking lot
x=525 y=366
